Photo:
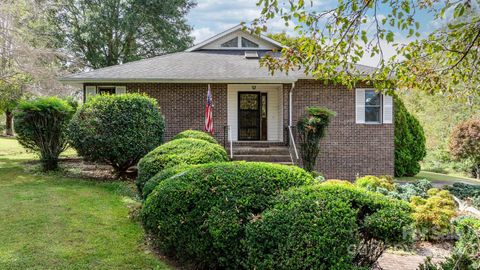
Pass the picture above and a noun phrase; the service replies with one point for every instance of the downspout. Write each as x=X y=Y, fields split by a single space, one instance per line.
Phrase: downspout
x=290 y=104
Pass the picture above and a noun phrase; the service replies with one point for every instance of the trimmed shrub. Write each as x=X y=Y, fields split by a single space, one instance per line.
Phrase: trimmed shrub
x=41 y=126
x=161 y=176
x=200 y=215
x=326 y=226
x=311 y=129
x=117 y=129
x=178 y=152
x=336 y=182
x=372 y=183
x=195 y=134
x=406 y=191
x=464 y=144
x=409 y=141
x=463 y=191
x=432 y=216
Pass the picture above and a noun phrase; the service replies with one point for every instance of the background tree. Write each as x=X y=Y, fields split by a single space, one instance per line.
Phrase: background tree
x=333 y=38
x=465 y=143
x=11 y=92
x=109 y=32
x=409 y=142
x=311 y=129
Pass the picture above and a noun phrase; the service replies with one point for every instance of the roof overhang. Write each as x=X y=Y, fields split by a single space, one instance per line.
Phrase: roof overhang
x=72 y=81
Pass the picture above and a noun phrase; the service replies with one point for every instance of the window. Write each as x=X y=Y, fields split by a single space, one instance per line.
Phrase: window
x=248 y=44
x=232 y=43
x=106 y=90
x=373 y=107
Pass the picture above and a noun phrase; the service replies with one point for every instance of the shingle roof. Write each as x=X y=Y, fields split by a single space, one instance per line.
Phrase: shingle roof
x=198 y=66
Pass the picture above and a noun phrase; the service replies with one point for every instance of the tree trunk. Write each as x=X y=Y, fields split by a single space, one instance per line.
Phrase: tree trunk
x=9 y=123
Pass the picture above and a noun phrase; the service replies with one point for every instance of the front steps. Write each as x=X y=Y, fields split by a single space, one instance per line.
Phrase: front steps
x=262 y=152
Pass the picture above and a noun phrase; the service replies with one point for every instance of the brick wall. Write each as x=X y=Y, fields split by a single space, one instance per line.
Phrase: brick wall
x=349 y=148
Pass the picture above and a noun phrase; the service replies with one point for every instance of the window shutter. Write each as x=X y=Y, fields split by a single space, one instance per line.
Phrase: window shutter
x=90 y=91
x=359 y=106
x=120 y=90
x=387 y=109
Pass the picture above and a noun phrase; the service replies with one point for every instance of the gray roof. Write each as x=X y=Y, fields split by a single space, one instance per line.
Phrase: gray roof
x=198 y=66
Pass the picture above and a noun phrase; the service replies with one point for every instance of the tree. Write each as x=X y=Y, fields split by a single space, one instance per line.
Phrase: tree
x=465 y=143
x=409 y=142
x=311 y=129
x=333 y=38
x=11 y=92
x=109 y=32
x=41 y=126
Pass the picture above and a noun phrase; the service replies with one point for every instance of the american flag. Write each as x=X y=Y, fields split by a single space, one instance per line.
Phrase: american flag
x=209 y=113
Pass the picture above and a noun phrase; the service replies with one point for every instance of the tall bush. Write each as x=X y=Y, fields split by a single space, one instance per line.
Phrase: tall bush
x=409 y=141
x=311 y=129
x=195 y=134
x=41 y=125
x=117 y=129
x=326 y=226
x=199 y=216
x=464 y=143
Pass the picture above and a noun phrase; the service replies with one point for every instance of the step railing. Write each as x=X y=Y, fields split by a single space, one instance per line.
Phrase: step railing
x=227 y=133
x=292 y=146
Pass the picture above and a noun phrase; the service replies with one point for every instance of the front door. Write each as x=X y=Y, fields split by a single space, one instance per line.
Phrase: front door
x=249 y=116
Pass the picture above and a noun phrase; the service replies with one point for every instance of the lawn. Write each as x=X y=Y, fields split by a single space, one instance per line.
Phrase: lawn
x=49 y=221
x=440 y=179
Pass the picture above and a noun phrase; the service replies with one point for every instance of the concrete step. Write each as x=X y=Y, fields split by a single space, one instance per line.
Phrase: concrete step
x=264 y=158
x=243 y=150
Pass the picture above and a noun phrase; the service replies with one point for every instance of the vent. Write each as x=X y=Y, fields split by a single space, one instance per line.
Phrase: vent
x=251 y=54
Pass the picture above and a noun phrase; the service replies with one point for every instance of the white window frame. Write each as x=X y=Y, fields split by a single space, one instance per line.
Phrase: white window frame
x=380 y=106
x=386 y=107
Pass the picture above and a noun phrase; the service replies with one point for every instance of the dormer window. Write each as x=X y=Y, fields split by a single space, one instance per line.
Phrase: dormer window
x=248 y=44
x=232 y=43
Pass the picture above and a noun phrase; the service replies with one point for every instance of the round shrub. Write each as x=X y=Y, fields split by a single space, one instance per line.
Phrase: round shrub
x=200 y=215
x=161 y=176
x=178 y=152
x=195 y=134
x=326 y=226
x=336 y=182
x=41 y=126
x=117 y=129
x=372 y=183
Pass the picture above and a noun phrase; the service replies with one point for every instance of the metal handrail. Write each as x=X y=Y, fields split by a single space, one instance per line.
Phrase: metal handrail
x=292 y=142
x=231 y=141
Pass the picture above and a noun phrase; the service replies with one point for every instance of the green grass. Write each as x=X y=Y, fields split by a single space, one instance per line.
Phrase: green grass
x=440 y=178
x=53 y=222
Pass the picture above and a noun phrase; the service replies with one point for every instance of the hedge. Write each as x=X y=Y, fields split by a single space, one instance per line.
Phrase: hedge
x=195 y=134
x=326 y=226
x=161 y=176
x=178 y=152
x=200 y=216
x=117 y=129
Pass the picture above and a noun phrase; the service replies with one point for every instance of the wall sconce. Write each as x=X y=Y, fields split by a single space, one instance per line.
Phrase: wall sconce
x=254 y=87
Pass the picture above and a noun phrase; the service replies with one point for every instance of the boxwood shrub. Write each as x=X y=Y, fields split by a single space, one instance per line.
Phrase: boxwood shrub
x=200 y=216
x=195 y=134
x=178 y=152
x=326 y=226
x=161 y=176
x=372 y=183
x=117 y=129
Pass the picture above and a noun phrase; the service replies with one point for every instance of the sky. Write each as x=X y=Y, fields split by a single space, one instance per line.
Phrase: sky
x=211 y=17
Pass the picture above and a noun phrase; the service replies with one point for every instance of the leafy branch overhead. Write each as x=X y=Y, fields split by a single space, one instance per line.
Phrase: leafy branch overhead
x=332 y=39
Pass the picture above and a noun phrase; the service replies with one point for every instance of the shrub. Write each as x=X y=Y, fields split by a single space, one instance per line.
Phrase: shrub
x=195 y=134
x=161 y=176
x=200 y=215
x=40 y=125
x=432 y=216
x=336 y=182
x=371 y=182
x=117 y=129
x=464 y=191
x=178 y=152
x=405 y=192
x=409 y=141
x=311 y=129
x=464 y=143
x=326 y=226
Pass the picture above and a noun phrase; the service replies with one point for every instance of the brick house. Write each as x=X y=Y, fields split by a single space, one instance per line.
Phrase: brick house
x=254 y=111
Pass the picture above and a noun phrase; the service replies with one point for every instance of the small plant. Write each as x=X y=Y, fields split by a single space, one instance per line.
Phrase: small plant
x=464 y=191
x=311 y=129
x=195 y=134
x=432 y=215
x=372 y=183
x=405 y=192
x=464 y=143
x=41 y=125
x=117 y=129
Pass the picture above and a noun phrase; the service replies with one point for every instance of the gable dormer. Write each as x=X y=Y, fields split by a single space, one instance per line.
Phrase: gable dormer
x=237 y=39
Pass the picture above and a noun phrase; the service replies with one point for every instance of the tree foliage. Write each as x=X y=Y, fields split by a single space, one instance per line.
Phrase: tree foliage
x=333 y=38
x=41 y=127
x=311 y=129
x=465 y=143
x=409 y=141
x=109 y=32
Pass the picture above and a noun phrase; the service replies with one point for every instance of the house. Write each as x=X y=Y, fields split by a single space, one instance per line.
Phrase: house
x=255 y=111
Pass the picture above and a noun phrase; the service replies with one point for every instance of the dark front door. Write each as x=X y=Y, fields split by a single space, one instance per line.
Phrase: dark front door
x=249 y=116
